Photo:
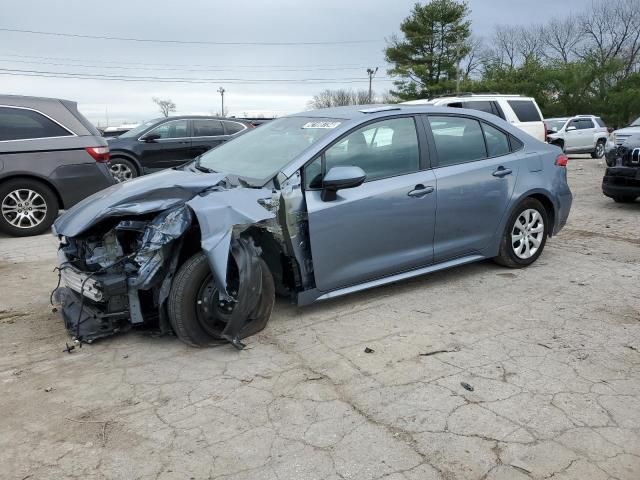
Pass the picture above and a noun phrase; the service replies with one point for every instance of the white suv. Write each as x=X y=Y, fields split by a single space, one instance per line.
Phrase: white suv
x=579 y=134
x=521 y=112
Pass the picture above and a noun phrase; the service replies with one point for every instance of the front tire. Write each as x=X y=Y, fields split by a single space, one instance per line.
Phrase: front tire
x=525 y=235
x=122 y=169
x=599 y=151
x=27 y=207
x=197 y=315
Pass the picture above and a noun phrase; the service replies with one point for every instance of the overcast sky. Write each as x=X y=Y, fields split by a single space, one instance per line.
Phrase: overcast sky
x=247 y=72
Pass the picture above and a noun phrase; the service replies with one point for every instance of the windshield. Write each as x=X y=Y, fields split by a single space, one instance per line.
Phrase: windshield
x=635 y=123
x=555 y=125
x=262 y=152
x=135 y=132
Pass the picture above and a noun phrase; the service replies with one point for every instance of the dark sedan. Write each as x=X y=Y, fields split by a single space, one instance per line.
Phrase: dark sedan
x=168 y=142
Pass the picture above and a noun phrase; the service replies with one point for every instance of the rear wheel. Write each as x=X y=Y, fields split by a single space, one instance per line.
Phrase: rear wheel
x=599 y=151
x=525 y=235
x=122 y=169
x=27 y=207
x=197 y=313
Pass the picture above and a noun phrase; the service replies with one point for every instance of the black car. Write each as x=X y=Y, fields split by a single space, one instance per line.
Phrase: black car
x=621 y=180
x=168 y=142
x=51 y=157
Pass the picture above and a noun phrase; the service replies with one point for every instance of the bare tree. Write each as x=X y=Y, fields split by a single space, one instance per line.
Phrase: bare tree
x=561 y=38
x=477 y=56
x=612 y=29
x=166 y=106
x=505 y=46
x=528 y=42
x=339 y=97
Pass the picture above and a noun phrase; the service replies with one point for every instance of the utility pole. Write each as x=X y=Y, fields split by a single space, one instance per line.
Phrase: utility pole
x=371 y=72
x=221 y=92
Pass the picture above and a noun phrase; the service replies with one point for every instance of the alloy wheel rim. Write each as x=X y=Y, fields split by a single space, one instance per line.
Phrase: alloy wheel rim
x=121 y=172
x=600 y=150
x=24 y=208
x=527 y=234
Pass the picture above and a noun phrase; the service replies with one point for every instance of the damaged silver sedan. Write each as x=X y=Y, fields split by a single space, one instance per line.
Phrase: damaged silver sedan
x=310 y=206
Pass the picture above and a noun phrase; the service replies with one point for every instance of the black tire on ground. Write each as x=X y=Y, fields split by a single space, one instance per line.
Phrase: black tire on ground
x=624 y=199
x=122 y=169
x=599 y=151
x=27 y=207
x=182 y=307
x=507 y=255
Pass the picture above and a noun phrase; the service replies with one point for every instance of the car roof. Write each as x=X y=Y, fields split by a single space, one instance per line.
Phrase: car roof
x=354 y=112
x=465 y=98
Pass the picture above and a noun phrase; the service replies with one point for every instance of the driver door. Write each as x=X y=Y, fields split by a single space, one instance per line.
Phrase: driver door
x=384 y=226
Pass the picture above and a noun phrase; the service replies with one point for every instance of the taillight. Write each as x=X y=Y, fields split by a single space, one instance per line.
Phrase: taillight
x=562 y=160
x=99 y=154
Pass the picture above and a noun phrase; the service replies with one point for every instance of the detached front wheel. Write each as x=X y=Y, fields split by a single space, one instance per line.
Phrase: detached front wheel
x=200 y=317
x=525 y=235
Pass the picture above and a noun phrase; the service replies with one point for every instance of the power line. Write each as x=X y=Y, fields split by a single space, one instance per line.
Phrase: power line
x=338 y=66
x=184 y=42
x=180 y=69
x=186 y=80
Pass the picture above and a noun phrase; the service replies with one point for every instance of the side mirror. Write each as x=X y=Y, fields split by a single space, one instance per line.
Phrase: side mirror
x=151 y=137
x=571 y=129
x=339 y=178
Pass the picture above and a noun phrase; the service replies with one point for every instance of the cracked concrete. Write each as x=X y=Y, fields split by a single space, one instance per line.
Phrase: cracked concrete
x=551 y=351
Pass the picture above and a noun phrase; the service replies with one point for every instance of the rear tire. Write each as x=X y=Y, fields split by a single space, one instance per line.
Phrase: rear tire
x=27 y=207
x=194 y=309
x=599 y=151
x=624 y=199
x=525 y=235
x=122 y=169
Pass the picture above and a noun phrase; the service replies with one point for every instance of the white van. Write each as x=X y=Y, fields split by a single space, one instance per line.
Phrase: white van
x=521 y=112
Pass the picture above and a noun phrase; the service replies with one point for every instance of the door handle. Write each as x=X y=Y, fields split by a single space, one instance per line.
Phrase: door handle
x=502 y=172
x=420 y=191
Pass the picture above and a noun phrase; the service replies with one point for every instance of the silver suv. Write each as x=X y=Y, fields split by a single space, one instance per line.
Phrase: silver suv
x=579 y=134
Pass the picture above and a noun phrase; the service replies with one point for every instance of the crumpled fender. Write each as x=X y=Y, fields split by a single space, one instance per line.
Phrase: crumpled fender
x=150 y=193
x=217 y=213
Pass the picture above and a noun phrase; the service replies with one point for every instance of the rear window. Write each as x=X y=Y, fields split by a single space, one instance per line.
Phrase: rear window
x=207 y=128
x=24 y=124
x=233 y=127
x=525 y=110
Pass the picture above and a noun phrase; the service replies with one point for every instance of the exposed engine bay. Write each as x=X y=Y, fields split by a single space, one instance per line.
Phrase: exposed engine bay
x=118 y=262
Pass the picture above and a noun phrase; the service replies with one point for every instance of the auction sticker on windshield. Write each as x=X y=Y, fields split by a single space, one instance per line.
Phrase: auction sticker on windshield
x=321 y=124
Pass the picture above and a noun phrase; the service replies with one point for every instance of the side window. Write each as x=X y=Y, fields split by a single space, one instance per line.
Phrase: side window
x=525 y=110
x=600 y=123
x=207 y=128
x=574 y=123
x=172 y=129
x=497 y=141
x=457 y=139
x=482 y=106
x=516 y=144
x=383 y=149
x=22 y=124
x=233 y=127
x=585 y=124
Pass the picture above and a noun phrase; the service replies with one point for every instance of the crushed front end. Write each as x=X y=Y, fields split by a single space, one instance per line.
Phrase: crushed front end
x=621 y=180
x=118 y=273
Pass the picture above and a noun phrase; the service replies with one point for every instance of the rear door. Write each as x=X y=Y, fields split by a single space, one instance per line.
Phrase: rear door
x=476 y=171
x=207 y=134
x=382 y=227
x=173 y=148
x=527 y=117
